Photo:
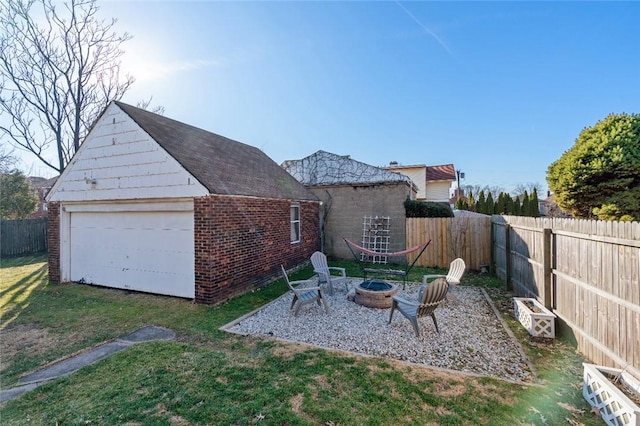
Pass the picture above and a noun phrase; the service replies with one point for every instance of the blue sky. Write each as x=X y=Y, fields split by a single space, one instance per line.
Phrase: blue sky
x=500 y=89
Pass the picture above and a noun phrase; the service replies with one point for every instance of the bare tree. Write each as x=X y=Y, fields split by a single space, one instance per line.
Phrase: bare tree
x=520 y=189
x=146 y=104
x=59 y=68
x=473 y=189
x=495 y=190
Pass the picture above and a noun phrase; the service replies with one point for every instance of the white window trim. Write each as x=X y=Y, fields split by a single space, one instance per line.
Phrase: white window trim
x=294 y=222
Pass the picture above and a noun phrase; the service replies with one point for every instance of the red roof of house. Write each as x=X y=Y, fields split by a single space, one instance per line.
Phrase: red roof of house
x=442 y=172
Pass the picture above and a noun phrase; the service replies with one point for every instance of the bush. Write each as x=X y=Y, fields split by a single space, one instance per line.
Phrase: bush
x=415 y=208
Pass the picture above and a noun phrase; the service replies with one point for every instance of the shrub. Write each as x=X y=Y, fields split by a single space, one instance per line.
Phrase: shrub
x=415 y=208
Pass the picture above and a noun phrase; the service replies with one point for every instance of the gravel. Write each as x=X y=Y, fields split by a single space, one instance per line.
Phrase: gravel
x=471 y=339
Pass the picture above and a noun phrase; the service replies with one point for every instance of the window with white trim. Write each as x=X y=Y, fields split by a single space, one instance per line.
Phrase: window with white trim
x=295 y=223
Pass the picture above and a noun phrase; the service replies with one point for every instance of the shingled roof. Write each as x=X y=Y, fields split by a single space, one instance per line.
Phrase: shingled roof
x=222 y=165
x=442 y=172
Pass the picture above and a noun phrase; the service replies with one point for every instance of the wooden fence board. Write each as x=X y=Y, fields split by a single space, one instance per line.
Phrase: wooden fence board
x=22 y=237
x=468 y=238
x=594 y=273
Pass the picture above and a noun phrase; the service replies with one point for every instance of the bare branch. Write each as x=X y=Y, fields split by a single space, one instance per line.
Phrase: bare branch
x=57 y=73
x=146 y=103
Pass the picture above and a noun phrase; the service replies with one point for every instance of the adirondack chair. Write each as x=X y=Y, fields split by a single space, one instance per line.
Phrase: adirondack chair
x=429 y=298
x=303 y=294
x=453 y=277
x=320 y=267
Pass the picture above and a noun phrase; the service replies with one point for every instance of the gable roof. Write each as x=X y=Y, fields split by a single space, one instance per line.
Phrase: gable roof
x=442 y=172
x=222 y=165
x=325 y=168
x=42 y=183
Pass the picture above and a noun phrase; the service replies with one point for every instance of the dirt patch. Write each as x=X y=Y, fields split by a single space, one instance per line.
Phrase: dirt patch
x=288 y=351
x=449 y=389
x=296 y=403
x=322 y=382
x=25 y=338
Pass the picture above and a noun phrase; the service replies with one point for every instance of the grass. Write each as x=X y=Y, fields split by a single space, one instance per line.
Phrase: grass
x=210 y=377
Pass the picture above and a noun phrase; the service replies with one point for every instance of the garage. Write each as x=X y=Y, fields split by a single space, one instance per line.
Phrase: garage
x=149 y=251
x=153 y=205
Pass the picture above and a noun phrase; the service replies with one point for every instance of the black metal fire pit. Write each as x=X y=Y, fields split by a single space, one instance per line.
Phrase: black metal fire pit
x=376 y=285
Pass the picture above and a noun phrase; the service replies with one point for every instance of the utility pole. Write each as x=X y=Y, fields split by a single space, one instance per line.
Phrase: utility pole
x=460 y=175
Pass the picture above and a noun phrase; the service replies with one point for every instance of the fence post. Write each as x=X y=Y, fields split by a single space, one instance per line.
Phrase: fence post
x=507 y=252
x=546 y=266
x=492 y=254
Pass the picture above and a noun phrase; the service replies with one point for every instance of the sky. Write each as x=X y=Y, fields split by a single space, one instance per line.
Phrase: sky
x=499 y=89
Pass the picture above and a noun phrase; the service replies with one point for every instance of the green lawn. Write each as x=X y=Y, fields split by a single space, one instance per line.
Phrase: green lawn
x=210 y=377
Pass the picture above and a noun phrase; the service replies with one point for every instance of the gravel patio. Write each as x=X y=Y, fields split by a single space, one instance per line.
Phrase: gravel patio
x=472 y=338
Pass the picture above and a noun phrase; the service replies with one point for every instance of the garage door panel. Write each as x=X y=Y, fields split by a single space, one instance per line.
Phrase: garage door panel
x=142 y=251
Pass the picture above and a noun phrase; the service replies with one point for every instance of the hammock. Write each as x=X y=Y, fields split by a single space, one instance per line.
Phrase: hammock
x=353 y=247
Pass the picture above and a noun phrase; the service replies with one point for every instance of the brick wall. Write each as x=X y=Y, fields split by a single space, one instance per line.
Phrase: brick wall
x=240 y=243
x=53 y=235
x=346 y=205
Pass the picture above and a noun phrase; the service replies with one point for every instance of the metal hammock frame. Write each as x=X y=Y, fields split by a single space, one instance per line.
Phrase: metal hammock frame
x=396 y=272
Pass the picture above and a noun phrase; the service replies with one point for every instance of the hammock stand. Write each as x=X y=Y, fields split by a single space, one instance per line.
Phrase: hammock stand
x=353 y=247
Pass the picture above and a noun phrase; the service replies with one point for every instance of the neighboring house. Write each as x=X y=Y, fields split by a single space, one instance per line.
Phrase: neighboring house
x=40 y=187
x=457 y=194
x=549 y=208
x=155 y=205
x=433 y=182
x=349 y=191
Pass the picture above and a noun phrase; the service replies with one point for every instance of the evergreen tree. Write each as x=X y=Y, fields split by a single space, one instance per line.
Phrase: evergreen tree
x=17 y=201
x=517 y=208
x=600 y=175
x=534 y=206
x=525 y=210
x=481 y=204
x=490 y=204
x=510 y=204
x=460 y=204
x=471 y=202
x=502 y=203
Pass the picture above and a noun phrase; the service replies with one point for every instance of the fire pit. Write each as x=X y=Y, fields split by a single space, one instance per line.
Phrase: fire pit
x=375 y=293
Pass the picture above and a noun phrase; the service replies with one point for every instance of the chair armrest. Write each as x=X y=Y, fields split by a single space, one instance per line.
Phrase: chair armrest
x=399 y=299
x=305 y=289
x=342 y=271
x=431 y=277
x=303 y=282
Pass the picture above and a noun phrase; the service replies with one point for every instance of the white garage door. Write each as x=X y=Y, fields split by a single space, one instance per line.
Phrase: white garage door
x=150 y=251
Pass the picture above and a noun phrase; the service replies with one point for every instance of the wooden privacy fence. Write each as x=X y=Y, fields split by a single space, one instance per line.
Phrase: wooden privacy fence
x=586 y=272
x=465 y=237
x=21 y=237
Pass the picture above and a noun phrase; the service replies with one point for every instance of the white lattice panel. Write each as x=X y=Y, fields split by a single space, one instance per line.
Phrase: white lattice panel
x=614 y=407
x=375 y=237
x=539 y=324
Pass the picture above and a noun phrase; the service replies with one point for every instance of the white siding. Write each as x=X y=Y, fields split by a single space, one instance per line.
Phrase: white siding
x=118 y=160
x=418 y=176
x=438 y=191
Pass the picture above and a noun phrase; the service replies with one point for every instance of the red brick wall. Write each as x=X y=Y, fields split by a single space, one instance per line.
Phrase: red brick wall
x=240 y=243
x=53 y=235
